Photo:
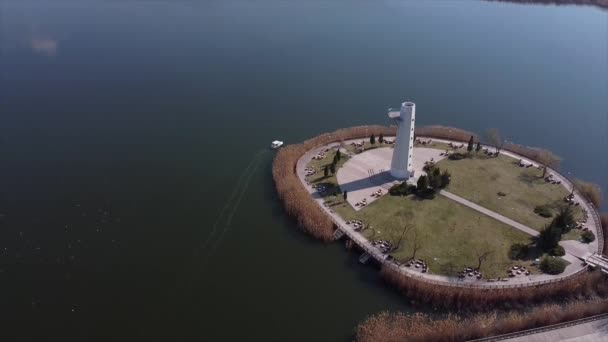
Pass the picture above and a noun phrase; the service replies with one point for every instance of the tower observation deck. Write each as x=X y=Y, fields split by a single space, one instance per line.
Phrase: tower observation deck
x=405 y=118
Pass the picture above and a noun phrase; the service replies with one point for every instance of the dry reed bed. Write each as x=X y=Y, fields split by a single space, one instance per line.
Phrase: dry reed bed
x=444 y=132
x=313 y=220
x=590 y=191
x=386 y=326
x=478 y=299
x=604 y=219
x=296 y=199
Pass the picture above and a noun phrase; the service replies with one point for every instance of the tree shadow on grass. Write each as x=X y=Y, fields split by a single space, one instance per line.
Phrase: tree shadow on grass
x=430 y=195
x=337 y=203
x=482 y=156
x=321 y=179
x=331 y=189
x=328 y=185
x=528 y=179
x=556 y=205
x=450 y=269
x=533 y=253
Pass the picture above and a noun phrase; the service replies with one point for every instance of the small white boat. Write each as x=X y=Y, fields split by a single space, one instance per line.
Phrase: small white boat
x=276 y=144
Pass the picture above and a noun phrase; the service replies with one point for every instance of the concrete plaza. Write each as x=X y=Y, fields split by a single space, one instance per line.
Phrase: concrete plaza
x=368 y=172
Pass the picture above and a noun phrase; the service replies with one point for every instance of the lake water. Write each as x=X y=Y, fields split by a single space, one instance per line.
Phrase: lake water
x=136 y=200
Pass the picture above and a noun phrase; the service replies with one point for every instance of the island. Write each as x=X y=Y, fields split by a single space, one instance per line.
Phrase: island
x=451 y=220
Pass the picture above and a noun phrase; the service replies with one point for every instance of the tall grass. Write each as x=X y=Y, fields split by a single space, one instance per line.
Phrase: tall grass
x=604 y=219
x=387 y=326
x=532 y=153
x=445 y=132
x=297 y=201
x=591 y=191
x=313 y=220
x=480 y=299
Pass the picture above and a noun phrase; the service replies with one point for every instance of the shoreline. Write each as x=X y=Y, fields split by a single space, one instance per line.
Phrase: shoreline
x=437 y=279
x=600 y=4
x=311 y=217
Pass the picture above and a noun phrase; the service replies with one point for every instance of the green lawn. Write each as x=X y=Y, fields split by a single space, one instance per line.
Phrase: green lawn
x=573 y=234
x=319 y=178
x=480 y=178
x=451 y=234
x=439 y=146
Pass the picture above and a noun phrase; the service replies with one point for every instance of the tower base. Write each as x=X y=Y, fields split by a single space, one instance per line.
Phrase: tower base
x=400 y=174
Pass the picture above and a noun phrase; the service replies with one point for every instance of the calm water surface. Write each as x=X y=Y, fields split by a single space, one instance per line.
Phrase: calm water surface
x=136 y=201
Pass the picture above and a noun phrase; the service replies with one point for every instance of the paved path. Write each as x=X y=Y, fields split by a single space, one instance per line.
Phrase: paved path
x=593 y=331
x=593 y=222
x=574 y=266
x=573 y=252
x=368 y=172
x=490 y=213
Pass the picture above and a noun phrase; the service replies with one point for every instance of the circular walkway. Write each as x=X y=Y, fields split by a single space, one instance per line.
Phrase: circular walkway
x=357 y=179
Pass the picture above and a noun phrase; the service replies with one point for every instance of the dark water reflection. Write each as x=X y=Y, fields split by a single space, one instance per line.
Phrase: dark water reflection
x=125 y=127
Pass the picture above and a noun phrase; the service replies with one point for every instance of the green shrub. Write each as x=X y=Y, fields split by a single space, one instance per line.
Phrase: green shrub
x=446 y=177
x=549 y=237
x=501 y=194
x=543 y=211
x=435 y=178
x=402 y=189
x=428 y=168
x=552 y=233
x=588 y=236
x=557 y=251
x=422 y=188
x=564 y=219
x=551 y=265
x=518 y=251
x=423 y=183
x=397 y=190
x=457 y=156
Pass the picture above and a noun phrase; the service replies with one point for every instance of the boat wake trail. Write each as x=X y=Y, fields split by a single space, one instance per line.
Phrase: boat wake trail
x=237 y=191
x=226 y=227
x=223 y=221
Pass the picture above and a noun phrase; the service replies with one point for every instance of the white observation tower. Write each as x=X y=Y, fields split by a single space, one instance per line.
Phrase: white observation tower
x=401 y=165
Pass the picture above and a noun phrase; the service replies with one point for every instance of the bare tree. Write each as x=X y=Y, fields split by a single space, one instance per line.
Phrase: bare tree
x=405 y=218
x=403 y=231
x=495 y=139
x=481 y=257
x=416 y=244
x=548 y=160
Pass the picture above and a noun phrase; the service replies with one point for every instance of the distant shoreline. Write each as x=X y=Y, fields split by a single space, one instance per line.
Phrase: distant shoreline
x=603 y=4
